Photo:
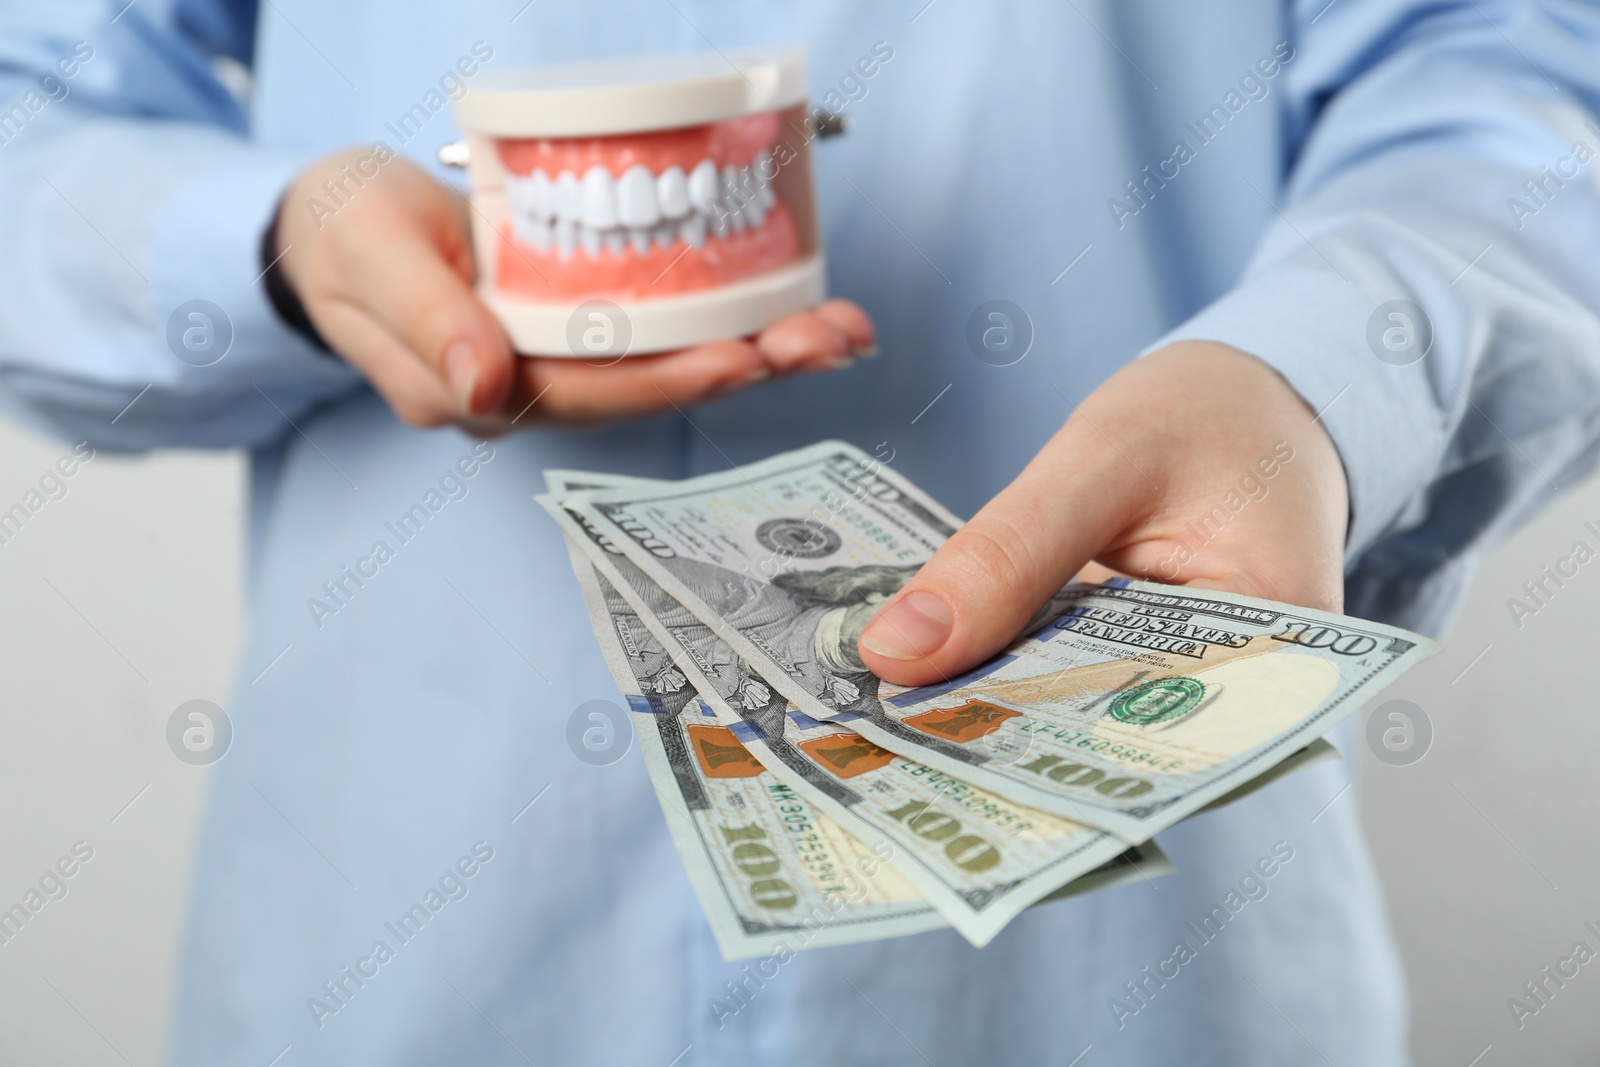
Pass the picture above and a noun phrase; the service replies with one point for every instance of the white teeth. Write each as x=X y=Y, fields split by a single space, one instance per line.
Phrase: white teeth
x=516 y=193
x=590 y=238
x=734 y=197
x=568 y=198
x=636 y=198
x=535 y=233
x=693 y=230
x=541 y=195
x=762 y=169
x=672 y=193
x=755 y=192
x=704 y=187
x=599 y=198
x=598 y=211
x=765 y=197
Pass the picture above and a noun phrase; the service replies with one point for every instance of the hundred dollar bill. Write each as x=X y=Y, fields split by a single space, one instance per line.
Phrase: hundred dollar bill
x=1133 y=704
x=771 y=871
x=979 y=859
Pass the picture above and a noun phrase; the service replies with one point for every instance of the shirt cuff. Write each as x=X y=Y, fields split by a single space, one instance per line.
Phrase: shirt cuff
x=1384 y=419
x=206 y=247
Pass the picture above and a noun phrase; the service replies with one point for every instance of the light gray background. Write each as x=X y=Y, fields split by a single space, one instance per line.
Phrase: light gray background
x=123 y=600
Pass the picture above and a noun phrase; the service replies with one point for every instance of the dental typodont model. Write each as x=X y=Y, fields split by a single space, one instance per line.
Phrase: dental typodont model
x=636 y=206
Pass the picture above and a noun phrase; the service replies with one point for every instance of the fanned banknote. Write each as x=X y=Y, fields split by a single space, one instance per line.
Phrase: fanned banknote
x=978 y=858
x=771 y=872
x=1127 y=707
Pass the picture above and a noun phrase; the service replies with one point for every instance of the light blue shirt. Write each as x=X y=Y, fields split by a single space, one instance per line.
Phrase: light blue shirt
x=1335 y=157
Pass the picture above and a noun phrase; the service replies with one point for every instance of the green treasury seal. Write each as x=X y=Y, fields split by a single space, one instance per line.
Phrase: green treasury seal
x=1161 y=700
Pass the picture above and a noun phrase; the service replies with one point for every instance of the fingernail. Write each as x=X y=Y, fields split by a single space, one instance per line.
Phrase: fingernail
x=835 y=363
x=910 y=628
x=733 y=385
x=867 y=351
x=461 y=371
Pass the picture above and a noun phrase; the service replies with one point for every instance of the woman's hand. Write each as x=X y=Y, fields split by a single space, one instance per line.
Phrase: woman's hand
x=1196 y=465
x=387 y=281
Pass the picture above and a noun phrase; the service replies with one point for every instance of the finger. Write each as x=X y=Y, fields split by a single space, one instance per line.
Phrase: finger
x=417 y=295
x=1094 y=573
x=855 y=324
x=412 y=390
x=803 y=341
x=572 y=390
x=978 y=591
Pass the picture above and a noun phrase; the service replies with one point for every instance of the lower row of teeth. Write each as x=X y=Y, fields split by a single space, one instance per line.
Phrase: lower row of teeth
x=638 y=209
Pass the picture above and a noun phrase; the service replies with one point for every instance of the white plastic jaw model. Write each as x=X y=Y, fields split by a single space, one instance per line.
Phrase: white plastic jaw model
x=677 y=188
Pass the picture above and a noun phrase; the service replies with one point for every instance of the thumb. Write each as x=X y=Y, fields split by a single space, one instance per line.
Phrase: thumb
x=416 y=294
x=981 y=588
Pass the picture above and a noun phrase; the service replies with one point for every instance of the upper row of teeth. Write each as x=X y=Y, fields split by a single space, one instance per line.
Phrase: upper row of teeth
x=597 y=208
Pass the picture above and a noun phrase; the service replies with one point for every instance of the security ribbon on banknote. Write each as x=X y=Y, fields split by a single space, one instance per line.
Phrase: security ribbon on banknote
x=1127 y=707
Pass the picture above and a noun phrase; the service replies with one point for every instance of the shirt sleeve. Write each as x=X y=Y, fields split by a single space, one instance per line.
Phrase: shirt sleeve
x=1422 y=283
x=135 y=315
